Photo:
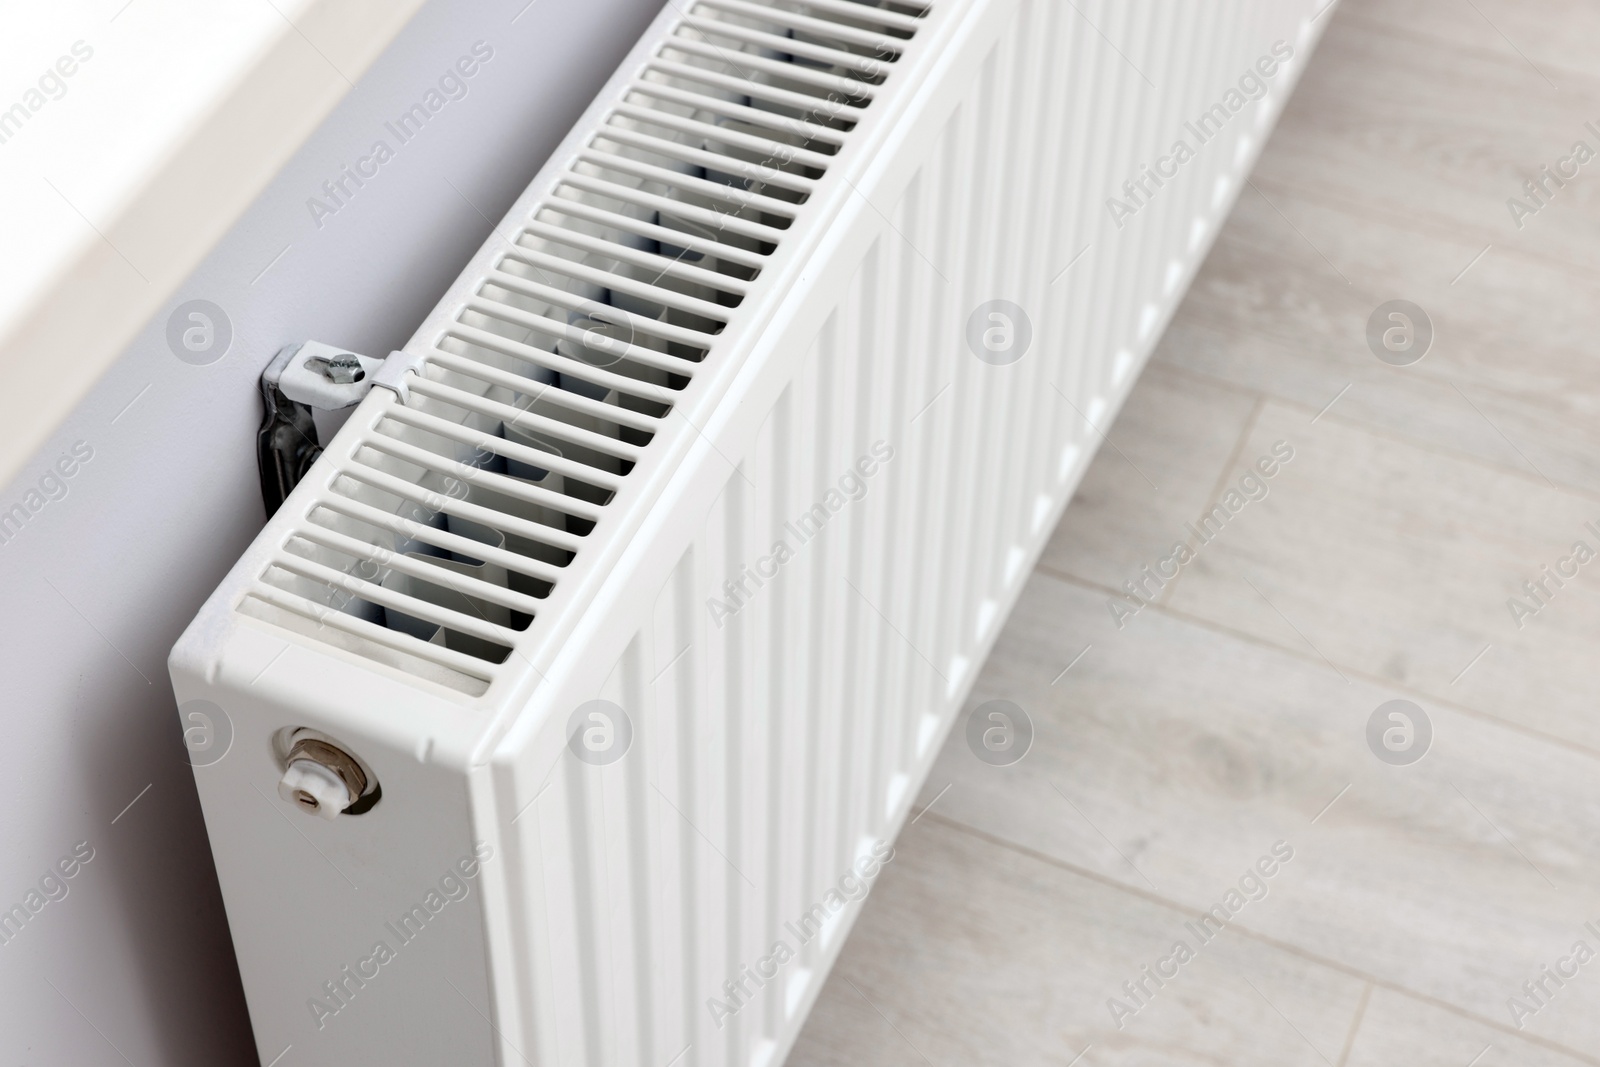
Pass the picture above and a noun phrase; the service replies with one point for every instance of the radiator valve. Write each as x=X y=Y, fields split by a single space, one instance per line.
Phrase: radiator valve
x=321 y=778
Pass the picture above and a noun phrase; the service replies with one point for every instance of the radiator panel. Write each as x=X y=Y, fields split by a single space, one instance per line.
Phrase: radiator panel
x=780 y=740
x=791 y=635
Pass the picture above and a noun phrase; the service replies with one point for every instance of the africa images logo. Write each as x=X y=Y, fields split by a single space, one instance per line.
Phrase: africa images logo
x=454 y=886
x=1142 y=188
x=452 y=85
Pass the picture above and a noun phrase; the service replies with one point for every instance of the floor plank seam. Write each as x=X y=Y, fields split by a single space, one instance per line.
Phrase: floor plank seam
x=1263 y=939
x=1355 y=1026
x=1445 y=44
x=1565 y=744
x=1383 y=433
x=1222 y=479
x=1419 y=222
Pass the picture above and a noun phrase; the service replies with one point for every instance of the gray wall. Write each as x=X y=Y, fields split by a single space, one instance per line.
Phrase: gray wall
x=98 y=584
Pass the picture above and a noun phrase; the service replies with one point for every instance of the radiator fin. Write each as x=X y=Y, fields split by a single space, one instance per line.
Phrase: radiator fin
x=445 y=526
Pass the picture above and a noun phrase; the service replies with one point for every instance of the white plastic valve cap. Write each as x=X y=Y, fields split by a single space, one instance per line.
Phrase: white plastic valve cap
x=310 y=786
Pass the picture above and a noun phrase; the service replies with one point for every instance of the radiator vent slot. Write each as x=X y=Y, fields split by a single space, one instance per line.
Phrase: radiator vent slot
x=456 y=513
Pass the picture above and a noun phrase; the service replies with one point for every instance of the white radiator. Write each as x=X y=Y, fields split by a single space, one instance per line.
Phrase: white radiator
x=624 y=625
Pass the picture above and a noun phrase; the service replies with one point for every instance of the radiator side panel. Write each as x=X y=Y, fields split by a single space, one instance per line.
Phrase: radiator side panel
x=360 y=940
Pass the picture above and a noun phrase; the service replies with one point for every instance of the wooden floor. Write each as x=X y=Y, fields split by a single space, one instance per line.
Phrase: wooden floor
x=1232 y=714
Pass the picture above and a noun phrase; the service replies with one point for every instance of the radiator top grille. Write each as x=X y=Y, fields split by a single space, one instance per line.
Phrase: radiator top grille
x=458 y=511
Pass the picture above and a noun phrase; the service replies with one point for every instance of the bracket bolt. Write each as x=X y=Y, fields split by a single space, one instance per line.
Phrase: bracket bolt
x=343 y=369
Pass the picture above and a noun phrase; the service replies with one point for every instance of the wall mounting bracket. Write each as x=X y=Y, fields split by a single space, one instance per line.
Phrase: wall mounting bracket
x=302 y=377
